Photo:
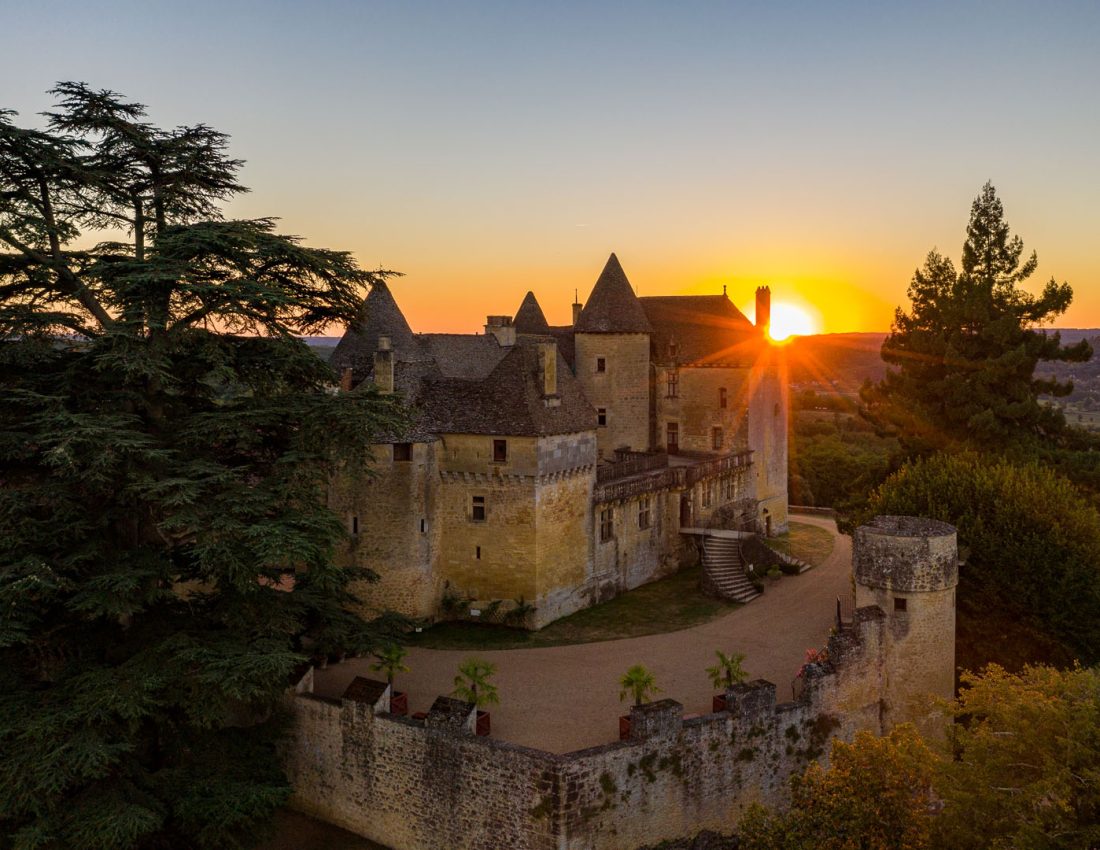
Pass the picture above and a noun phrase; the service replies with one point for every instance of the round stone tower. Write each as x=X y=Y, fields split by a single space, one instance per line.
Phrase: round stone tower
x=909 y=567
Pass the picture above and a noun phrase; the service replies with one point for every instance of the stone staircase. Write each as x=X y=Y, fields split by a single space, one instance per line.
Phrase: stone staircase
x=723 y=570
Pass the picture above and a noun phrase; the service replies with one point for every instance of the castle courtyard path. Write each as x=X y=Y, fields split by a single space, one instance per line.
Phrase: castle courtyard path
x=566 y=698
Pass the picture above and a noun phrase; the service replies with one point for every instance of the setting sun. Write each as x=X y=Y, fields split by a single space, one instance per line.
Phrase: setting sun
x=788 y=320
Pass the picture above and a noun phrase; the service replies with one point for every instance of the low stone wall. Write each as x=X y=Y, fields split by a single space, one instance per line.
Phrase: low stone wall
x=426 y=784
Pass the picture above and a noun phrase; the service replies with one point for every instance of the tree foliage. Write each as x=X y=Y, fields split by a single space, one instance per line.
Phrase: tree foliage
x=875 y=795
x=473 y=683
x=1026 y=767
x=965 y=353
x=638 y=683
x=1018 y=767
x=1032 y=537
x=166 y=558
x=729 y=670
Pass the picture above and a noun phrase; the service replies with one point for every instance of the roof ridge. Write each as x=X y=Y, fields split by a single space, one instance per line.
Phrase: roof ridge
x=613 y=307
x=529 y=317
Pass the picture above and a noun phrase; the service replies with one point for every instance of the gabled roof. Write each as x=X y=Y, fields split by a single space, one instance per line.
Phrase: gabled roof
x=530 y=318
x=508 y=401
x=379 y=316
x=699 y=329
x=613 y=307
x=467 y=356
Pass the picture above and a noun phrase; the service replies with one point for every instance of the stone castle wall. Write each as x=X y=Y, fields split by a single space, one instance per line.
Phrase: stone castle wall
x=429 y=785
x=622 y=390
x=908 y=567
x=769 y=406
x=392 y=506
x=697 y=410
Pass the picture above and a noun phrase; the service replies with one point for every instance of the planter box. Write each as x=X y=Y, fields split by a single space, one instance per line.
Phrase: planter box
x=420 y=715
x=624 y=727
x=399 y=703
x=482 y=725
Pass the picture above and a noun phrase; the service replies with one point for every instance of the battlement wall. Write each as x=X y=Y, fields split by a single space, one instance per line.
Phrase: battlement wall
x=420 y=784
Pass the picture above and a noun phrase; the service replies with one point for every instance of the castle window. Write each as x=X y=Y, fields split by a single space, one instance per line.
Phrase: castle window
x=722 y=400
x=643 y=512
x=423 y=526
x=716 y=437
x=353 y=524
x=500 y=451
x=671 y=348
x=708 y=494
x=601 y=364
x=607 y=524
x=601 y=415
x=728 y=485
x=477 y=509
x=673 y=383
x=900 y=603
x=672 y=438
x=477 y=552
x=776 y=411
x=402 y=451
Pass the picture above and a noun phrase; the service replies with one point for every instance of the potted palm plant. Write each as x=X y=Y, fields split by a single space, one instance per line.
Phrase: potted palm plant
x=472 y=685
x=725 y=674
x=390 y=659
x=640 y=684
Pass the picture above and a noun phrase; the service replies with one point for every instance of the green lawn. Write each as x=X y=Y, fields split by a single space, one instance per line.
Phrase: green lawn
x=809 y=543
x=662 y=606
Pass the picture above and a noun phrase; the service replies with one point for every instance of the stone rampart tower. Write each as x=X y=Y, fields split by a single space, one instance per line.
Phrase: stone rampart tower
x=909 y=568
x=613 y=363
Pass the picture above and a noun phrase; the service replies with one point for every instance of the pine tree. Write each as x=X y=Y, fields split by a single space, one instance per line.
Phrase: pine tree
x=964 y=356
x=166 y=557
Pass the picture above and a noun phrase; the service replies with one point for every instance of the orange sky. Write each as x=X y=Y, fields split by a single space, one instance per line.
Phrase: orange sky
x=488 y=148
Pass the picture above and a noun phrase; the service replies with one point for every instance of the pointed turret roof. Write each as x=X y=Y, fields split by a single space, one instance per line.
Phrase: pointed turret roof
x=613 y=307
x=379 y=316
x=529 y=318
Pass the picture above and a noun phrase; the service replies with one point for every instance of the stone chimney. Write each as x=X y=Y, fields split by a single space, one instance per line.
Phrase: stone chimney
x=502 y=328
x=577 y=307
x=763 y=308
x=383 y=365
x=548 y=368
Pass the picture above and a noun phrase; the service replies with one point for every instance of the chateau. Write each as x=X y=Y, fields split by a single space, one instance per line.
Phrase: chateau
x=544 y=469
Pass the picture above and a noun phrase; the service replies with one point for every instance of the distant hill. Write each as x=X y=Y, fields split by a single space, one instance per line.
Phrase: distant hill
x=837 y=362
x=842 y=362
x=322 y=345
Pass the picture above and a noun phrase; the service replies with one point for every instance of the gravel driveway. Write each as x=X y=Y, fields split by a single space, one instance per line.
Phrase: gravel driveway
x=567 y=697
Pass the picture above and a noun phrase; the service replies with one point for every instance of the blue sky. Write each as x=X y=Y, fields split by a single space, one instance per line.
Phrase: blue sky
x=487 y=148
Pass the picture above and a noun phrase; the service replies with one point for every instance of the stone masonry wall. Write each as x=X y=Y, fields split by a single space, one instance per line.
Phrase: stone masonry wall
x=768 y=411
x=696 y=408
x=622 y=389
x=425 y=785
x=392 y=503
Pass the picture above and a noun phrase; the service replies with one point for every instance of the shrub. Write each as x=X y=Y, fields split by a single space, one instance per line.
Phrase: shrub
x=1032 y=536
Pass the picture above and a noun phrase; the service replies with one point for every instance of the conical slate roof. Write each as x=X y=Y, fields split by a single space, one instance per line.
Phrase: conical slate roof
x=613 y=308
x=379 y=316
x=529 y=318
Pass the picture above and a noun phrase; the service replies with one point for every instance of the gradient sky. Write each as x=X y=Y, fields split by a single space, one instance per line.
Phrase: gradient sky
x=485 y=149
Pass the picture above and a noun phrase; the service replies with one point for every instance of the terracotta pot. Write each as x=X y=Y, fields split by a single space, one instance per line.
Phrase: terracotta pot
x=399 y=703
x=482 y=726
x=624 y=727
